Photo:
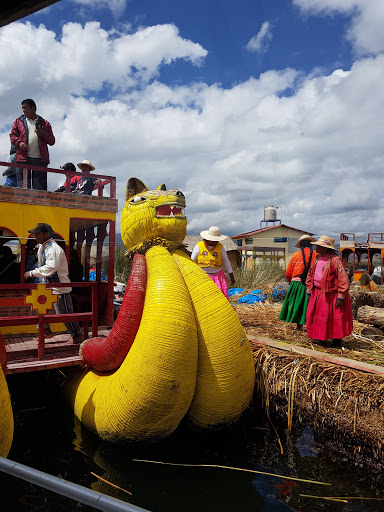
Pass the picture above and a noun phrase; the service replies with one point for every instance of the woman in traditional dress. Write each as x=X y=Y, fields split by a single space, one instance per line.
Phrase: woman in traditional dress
x=294 y=307
x=211 y=256
x=329 y=313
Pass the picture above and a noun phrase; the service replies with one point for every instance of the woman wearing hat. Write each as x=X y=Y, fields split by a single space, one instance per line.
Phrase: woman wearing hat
x=296 y=301
x=210 y=255
x=329 y=313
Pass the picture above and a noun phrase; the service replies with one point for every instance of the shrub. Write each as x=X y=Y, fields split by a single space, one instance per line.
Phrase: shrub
x=266 y=272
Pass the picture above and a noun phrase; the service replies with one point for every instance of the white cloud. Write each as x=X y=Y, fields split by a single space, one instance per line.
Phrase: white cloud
x=260 y=42
x=366 y=29
x=316 y=153
x=116 y=6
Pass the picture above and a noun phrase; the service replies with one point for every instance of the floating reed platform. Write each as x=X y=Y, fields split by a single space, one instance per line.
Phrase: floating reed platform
x=334 y=391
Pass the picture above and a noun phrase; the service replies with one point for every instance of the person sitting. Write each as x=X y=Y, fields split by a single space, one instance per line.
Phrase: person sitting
x=85 y=184
x=210 y=255
x=9 y=269
x=68 y=167
x=367 y=284
x=10 y=172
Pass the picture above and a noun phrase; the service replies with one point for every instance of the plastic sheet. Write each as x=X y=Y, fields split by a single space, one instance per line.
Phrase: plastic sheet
x=234 y=291
x=278 y=292
x=253 y=297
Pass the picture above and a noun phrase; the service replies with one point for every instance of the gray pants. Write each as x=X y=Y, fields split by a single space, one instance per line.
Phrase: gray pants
x=64 y=306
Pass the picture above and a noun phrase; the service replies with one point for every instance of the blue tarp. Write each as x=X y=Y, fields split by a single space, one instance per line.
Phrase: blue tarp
x=278 y=291
x=235 y=291
x=253 y=297
x=92 y=275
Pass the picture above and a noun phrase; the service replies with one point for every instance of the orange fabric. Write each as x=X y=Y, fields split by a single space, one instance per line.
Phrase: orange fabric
x=296 y=265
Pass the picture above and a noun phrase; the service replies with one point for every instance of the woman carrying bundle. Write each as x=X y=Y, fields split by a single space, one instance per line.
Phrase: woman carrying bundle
x=296 y=301
x=329 y=314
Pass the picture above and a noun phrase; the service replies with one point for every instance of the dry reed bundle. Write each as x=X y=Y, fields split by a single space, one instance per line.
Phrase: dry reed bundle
x=263 y=320
x=343 y=406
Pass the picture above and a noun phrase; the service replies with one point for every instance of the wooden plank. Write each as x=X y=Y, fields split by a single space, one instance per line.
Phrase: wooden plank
x=324 y=356
x=45 y=364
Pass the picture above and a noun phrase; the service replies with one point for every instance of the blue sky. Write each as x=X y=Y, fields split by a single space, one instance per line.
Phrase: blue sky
x=224 y=27
x=240 y=104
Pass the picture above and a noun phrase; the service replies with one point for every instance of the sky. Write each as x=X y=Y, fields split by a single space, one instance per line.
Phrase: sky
x=241 y=104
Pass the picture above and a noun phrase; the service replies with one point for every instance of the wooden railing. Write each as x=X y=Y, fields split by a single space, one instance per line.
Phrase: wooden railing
x=42 y=319
x=105 y=180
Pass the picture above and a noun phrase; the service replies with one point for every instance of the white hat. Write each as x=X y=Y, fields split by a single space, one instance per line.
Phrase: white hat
x=304 y=237
x=213 y=234
x=85 y=162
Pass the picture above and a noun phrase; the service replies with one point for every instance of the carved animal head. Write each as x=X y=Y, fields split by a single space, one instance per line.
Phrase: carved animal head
x=150 y=215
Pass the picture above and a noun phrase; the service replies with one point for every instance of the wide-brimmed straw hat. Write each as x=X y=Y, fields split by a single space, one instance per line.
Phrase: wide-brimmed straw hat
x=85 y=162
x=325 y=241
x=213 y=234
x=305 y=237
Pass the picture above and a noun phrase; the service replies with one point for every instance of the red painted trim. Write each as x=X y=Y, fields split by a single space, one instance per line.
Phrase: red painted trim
x=111 y=270
x=68 y=174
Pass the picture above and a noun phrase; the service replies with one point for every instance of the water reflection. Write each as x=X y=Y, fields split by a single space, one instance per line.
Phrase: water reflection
x=49 y=438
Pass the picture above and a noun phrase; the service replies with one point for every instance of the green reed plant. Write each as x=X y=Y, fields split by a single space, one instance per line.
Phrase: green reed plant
x=265 y=272
x=123 y=265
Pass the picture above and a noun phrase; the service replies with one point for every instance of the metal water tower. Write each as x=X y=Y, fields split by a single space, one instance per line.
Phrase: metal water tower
x=270 y=215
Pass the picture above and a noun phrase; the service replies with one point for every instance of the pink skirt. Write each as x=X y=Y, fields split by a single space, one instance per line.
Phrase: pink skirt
x=324 y=320
x=221 y=281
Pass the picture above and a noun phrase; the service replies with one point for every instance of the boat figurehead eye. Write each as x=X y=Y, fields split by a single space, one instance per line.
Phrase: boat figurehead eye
x=137 y=200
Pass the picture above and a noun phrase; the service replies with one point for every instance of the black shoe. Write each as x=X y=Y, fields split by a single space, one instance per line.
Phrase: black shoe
x=320 y=342
x=336 y=343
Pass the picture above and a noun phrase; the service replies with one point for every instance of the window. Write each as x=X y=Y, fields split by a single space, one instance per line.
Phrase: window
x=248 y=241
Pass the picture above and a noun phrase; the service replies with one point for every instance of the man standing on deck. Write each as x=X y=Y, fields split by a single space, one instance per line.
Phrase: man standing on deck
x=31 y=135
x=53 y=268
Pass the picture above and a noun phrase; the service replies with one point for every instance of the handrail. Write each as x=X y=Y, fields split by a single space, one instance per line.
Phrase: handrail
x=68 y=175
x=42 y=319
x=65 y=488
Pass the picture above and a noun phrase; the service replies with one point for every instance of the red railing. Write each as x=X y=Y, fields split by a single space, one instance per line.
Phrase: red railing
x=105 y=180
x=42 y=319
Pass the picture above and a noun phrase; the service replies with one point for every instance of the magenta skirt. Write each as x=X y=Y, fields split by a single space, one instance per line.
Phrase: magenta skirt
x=324 y=320
x=221 y=281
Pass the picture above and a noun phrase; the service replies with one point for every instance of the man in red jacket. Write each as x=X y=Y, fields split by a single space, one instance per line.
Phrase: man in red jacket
x=31 y=135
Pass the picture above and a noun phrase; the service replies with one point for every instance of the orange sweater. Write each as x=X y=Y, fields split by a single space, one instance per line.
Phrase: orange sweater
x=296 y=265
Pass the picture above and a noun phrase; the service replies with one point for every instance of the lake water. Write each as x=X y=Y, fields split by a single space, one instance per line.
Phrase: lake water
x=48 y=437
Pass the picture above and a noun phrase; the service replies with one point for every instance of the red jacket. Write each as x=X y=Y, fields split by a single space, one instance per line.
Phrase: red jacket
x=296 y=264
x=334 y=277
x=19 y=133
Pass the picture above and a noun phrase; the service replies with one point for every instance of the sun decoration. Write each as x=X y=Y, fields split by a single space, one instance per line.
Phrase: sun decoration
x=41 y=299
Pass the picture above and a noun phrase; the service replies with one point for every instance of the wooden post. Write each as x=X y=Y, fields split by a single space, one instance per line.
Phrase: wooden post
x=95 y=311
x=41 y=346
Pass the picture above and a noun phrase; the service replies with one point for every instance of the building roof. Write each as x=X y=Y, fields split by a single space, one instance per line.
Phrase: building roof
x=12 y=10
x=261 y=230
x=191 y=240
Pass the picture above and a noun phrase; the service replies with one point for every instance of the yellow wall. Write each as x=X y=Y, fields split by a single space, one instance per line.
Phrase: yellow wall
x=266 y=239
x=21 y=217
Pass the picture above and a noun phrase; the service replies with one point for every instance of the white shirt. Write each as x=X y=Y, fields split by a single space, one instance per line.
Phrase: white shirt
x=211 y=270
x=52 y=263
x=33 y=139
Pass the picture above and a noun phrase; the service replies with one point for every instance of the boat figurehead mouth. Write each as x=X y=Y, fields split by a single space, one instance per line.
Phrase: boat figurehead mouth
x=170 y=210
